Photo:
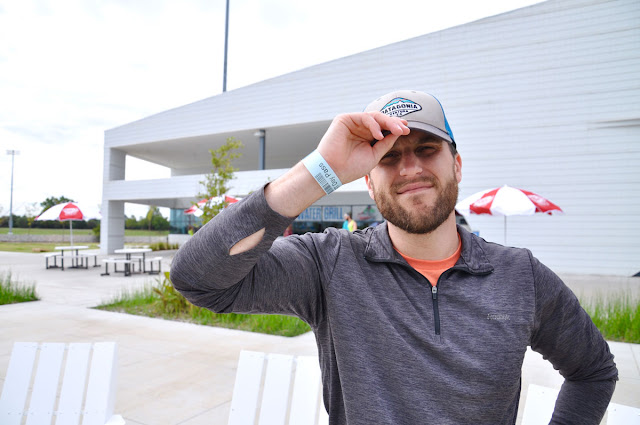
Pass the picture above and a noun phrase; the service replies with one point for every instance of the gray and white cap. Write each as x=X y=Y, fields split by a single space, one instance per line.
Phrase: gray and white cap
x=421 y=110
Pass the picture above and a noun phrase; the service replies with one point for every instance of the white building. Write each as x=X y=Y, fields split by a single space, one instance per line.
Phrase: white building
x=545 y=98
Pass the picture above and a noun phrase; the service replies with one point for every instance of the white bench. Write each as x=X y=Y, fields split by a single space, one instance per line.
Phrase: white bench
x=33 y=388
x=541 y=401
x=78 y=261
x=86 y=256
x=129 y=265
x=281 y=402
x=54 y=256
x=152 y=260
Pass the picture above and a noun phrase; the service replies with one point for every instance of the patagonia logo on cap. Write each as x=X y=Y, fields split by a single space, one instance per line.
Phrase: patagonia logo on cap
x=399 y=107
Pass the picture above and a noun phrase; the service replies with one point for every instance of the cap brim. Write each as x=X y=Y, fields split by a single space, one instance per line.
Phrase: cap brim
x=431 y=130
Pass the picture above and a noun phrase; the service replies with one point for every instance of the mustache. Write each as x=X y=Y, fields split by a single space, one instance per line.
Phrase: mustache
x=396 y=187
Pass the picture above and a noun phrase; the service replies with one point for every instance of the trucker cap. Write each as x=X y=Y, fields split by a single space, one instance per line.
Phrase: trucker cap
x=421 y=110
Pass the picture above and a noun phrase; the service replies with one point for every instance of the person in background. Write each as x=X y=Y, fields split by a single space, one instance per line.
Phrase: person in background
x=349 y=223
x=417 y=320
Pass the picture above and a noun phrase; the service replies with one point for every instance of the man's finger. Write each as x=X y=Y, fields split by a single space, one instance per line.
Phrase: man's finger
x=382 y=125
x=385 y=133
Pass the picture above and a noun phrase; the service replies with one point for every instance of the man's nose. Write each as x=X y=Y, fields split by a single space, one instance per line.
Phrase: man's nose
x=410 y=165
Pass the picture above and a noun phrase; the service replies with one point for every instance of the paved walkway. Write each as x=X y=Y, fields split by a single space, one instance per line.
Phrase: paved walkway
x=178 y=373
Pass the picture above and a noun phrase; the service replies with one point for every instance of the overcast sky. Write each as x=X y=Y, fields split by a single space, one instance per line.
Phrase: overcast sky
x=71 y=69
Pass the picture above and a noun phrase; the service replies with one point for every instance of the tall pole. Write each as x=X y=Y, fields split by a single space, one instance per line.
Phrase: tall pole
x=226 y=43
x=13 y=154
x=261 y=134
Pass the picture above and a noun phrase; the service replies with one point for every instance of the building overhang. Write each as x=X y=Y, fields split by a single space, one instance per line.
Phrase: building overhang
x=180 y=192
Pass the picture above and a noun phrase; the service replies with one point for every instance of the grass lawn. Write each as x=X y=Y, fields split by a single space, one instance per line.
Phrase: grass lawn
x=36 y=246
x=89 y=232
x=38 y=231
x=49 y=246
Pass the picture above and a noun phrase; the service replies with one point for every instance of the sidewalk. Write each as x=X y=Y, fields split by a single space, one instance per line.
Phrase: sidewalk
x=178 y=373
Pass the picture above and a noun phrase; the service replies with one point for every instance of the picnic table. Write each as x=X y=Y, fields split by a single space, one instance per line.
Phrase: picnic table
x=77 y=260
x=129 y=261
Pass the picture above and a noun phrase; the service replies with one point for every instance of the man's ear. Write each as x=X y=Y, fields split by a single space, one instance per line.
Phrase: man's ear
x=369 y=183
x=458 y=167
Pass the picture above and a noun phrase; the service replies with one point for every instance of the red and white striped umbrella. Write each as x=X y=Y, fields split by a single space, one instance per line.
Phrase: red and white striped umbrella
x=70 y=211
x=506 y=201
x=197 y=208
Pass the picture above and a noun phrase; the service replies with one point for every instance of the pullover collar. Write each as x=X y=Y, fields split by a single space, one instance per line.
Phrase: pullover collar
x=472 y=258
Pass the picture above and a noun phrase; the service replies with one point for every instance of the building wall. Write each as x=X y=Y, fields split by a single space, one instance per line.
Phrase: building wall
x=545 y=98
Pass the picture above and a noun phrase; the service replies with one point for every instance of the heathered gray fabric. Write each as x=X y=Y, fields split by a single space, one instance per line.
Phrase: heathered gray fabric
x=373 y=317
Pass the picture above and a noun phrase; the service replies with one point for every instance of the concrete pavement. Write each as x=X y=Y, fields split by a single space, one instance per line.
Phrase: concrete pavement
x=178 y=373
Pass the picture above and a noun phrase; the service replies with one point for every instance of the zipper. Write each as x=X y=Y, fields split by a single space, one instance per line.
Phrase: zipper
x=434 y=297
x=436 y=311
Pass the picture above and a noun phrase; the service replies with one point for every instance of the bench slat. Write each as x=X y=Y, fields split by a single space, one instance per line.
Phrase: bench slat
x=45 y=385
x=244 y=403
x=73 y=384
x=12 y=403
x=99 y=403
x=539 y=405
x=304 y=403
x=277 y=385
x=619 y=414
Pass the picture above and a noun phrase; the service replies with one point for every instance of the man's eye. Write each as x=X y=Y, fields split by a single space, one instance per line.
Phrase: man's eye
x=390 y=156
x=426 y=150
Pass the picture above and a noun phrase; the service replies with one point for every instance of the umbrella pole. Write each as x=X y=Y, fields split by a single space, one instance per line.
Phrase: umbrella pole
x=505 y=230
x=71 y=232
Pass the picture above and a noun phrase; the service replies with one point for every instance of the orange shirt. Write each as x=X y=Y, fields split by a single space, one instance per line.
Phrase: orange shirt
x=433 y=269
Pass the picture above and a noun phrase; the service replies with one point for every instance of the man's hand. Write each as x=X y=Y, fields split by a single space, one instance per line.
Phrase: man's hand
x=347 y=147
x=347 y=144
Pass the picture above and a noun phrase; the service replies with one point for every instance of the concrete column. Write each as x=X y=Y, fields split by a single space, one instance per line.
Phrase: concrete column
x=115 y=162
x=112 y=226
x=112 y=223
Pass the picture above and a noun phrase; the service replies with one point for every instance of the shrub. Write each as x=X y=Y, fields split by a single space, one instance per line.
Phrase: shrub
x=162 y=246
x=15 y=292
x=163 y=300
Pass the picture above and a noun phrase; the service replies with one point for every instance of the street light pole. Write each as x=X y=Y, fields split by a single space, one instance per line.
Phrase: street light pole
x=226 y=42
x=13 y=154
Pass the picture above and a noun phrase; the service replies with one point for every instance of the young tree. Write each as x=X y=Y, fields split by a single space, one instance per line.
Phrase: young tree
x=30 y=213
x=52 y=200
x=216 y=182
x=152 y=211
x=154 y=219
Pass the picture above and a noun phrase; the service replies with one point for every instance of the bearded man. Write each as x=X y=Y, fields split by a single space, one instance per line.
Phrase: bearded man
x=417 y=321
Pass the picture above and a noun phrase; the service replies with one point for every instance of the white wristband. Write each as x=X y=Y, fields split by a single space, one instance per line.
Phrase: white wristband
x=322 y=172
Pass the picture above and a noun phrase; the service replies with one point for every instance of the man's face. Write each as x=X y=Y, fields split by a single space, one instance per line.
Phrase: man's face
x=415 y=185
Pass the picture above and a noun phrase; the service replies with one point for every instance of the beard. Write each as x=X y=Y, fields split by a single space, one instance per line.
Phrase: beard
x=420 y=219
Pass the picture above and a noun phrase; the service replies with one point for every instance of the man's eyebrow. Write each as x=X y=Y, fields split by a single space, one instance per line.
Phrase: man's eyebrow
x=429 y=140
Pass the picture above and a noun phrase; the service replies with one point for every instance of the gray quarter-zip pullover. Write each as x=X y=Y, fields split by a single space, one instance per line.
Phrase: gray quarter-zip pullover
x=392 y=350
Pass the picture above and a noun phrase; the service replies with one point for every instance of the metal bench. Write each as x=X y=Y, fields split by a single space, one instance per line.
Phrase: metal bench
x=86 y=256
x=152 y=260
x=129 y=266
x=53 y=255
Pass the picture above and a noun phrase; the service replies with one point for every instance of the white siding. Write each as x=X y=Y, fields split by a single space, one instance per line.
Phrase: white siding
x=546 y=98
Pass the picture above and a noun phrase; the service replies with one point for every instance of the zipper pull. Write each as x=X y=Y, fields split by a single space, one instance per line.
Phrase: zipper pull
x=434 y=292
